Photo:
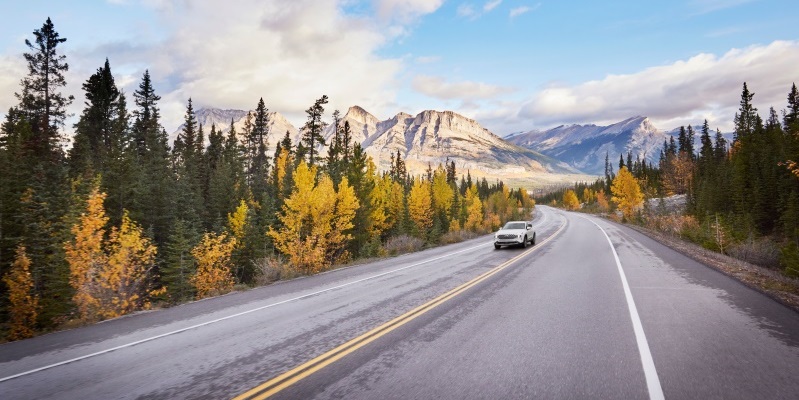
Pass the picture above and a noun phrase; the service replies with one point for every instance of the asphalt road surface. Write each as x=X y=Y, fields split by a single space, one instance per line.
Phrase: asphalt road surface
x=593 y=310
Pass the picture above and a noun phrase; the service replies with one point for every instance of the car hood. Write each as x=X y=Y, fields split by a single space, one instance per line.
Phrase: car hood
x=511 y=232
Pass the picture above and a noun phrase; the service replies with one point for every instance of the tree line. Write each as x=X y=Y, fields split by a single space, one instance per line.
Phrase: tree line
x=746 y=190
x=124 y=219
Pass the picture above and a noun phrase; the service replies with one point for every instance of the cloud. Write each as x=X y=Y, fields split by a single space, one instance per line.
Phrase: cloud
x=466 y=11
x=290 y=52
x=687 y=91
x=515 y=12
x=466 y=91
x=12 y=69
x=405 y=10
x=490 y=5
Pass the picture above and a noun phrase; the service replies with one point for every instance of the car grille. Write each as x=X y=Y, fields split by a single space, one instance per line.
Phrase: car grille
x=506 y=236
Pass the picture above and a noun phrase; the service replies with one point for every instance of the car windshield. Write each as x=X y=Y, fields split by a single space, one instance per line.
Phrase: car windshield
x=514 y=225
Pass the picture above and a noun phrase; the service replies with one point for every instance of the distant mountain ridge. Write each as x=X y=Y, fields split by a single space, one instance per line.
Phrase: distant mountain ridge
x=584 y=147
x=429 y=138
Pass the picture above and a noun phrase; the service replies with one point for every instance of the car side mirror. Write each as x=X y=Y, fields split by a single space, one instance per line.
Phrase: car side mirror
x=529 y=226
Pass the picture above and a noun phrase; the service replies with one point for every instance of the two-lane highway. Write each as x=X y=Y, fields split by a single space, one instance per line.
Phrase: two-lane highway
x=595 y=310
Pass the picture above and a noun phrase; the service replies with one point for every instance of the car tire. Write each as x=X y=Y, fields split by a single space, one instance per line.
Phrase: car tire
x=497 y=247
x=524 y=242
x=533 y=241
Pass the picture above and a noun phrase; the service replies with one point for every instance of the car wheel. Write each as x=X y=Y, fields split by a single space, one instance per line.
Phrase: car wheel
x=533 y=241
x=524 y=242
x=497 y=247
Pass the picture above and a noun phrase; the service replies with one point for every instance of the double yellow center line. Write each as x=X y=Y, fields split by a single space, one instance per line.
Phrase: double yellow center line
x=298 y=373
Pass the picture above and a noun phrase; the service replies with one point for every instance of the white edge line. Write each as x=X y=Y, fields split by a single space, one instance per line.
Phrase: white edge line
x=101 y=352
x=234 y=315
x=650 y=373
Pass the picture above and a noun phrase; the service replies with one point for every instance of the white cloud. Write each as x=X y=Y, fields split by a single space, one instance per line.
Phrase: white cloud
x=490 y=5
x=515 y=12
x=405 y=10
x=704 y=86
x=427 y=59
x=466 y=91
x=12 y=69
x=290 y=52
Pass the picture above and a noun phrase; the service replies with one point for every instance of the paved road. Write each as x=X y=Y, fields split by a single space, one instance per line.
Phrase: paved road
x=572 y=317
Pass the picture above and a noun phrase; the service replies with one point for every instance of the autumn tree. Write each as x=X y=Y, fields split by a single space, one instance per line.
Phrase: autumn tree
x=474 y=210
x=87 y=258
x=213 y=276
x=23 y=302
x=316 y=221
x=420 y=207
x=570 y=201
x=627 y=193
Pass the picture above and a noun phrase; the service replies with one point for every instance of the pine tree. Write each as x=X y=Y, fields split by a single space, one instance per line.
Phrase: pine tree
x=40 y=100
x=312 y=136
x=94 y=133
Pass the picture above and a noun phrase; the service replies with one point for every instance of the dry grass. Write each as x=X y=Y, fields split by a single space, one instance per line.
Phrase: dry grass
x=403 y=244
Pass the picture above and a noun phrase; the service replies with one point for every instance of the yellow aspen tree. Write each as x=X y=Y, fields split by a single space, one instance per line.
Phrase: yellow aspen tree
x=86 y=257
x=124 y=283
x=474 y=210
x=570 y=201
x=602 y=201
x=380 y=216
x=237 y=220
x=420 y=206
x=282 y=164
x=626 y=193
x=214 y=275
x=316 y=221
x=23 y=303
x=442 y=191
x=343 y=216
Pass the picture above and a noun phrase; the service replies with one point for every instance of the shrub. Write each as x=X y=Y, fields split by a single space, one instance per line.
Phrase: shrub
x=457 y=236
x=403 y=244
x=789 y=259
x=271 y=269
x=758 y=251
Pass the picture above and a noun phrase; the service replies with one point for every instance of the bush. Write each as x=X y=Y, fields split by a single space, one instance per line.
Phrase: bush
x=457 y=236
x=789 y=260
x=403 y=244
x=760 y=251
x=271 y=269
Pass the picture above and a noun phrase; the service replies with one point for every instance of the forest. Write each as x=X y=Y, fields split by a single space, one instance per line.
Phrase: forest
x=740 y=198
x=117 y=219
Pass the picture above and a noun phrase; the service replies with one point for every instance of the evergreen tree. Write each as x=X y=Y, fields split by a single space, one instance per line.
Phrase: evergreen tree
x=312 y=136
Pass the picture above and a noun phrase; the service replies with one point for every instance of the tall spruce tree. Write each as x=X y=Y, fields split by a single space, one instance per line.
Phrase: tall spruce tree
x=312 y=136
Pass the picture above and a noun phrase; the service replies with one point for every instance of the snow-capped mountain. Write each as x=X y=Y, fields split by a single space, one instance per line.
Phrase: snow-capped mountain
x=434 y=137
x=584 y=146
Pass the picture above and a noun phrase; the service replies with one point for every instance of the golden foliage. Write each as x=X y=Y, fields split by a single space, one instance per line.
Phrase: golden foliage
x=474 y=210
x=626 y=192
x=237 y=220
x=442 y=191
x=420 y=206
x=602 y=201
x=86 y=257
x=282 y=165
x=316 y=220
x=110 y=278
x=213 y=275
x=23 y=304
x=570 y=201
x=678 y=174
x=386 y=205
x=131 y=257
x=589 y=196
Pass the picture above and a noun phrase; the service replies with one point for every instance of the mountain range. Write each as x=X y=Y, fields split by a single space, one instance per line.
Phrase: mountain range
x=562 y=154
x=429 y=138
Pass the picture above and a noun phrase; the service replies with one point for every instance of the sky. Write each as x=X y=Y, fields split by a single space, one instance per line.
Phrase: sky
x=512 y=65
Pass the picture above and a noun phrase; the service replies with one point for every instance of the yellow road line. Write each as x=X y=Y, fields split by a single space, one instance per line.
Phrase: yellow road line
x=296 y=374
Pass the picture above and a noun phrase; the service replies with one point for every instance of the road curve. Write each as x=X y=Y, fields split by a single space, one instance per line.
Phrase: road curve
x=595 y=310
